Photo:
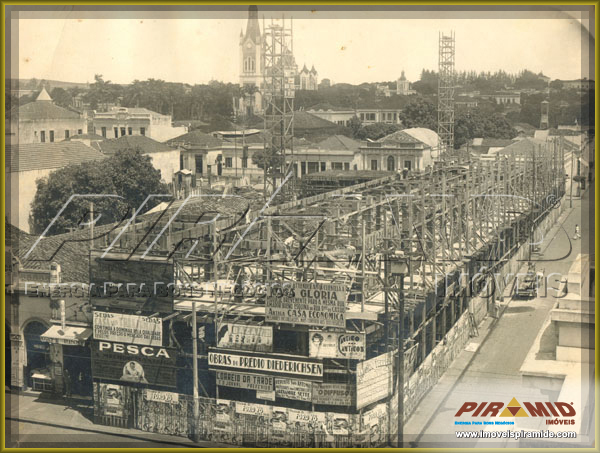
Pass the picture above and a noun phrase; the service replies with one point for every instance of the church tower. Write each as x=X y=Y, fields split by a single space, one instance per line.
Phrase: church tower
x=251 y=64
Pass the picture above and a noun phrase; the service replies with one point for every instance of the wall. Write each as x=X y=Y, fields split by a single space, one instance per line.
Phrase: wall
x=167 y=162
x=24 y=131
x=22 y=193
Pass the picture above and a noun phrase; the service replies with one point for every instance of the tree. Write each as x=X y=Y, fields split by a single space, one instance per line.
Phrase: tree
x=61 y=97
x=355 y=126
x=128 y=174
x=419 y=113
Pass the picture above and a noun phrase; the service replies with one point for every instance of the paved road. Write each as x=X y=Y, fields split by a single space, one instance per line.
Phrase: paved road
x=493 y=374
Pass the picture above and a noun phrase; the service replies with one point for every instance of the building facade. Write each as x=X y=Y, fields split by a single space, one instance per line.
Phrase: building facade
x=122 y=121
x=42 y=121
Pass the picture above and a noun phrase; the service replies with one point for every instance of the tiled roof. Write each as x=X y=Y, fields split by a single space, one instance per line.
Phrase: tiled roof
x=42 y=156
x=305 y=120
x=145 y=144
x=195 y=138
x=336 y=142
x=527 y=145
x=42 y=110
x=398 y=137
x=427 y=136
x=86 y=137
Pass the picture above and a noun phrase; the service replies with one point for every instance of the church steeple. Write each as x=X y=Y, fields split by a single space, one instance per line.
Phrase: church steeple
x=253 y=28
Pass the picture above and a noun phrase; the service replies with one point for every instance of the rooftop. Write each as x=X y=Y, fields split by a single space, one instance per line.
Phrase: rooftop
x=42 y=110
x=196 y=138
x=145 y=144
x=336 y=142
x=44 y=156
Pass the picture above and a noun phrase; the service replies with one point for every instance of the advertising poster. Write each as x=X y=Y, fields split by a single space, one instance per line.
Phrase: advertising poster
x=134 y=364
x=261 y=383
x=245 y=337
x=312 y=304
x=335 y=345
x=127 y=328
x=374 y=379
x=333 y=394
x=293 y=389
x=112 y=397
x=266 y=363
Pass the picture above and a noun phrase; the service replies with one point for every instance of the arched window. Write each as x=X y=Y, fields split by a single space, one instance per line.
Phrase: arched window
x=391 y=163
x=249 y=65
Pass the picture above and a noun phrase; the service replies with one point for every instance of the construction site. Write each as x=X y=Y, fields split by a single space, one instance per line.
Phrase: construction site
x=322 y=311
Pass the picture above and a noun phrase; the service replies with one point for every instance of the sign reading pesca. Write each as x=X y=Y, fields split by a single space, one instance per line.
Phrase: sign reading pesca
x=333 y=394
x=313 y=304
x=266 y=363
x=244 y=336
x=374 y=379
x=127 y=328
x=293 y=389
x=134 y=363
x=244 y=381
x=334 y=345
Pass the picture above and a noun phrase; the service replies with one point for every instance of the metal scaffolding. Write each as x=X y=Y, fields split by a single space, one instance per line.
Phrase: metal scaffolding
x=446 y=85
x=278 y=92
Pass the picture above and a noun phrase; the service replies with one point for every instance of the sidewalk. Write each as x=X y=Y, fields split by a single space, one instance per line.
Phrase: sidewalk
x=52 y=413
x=430 y=405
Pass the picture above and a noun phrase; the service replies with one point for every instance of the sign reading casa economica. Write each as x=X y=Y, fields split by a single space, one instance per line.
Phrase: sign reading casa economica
x=335 y=345
x=266 y=363
x=245 y=336
x=118 y=280
x=313 y=304
x=127 y=328
x=374 y=379
x=133 y=363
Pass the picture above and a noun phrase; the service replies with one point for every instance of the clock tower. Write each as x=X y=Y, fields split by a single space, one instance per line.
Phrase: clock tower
x=251 y=65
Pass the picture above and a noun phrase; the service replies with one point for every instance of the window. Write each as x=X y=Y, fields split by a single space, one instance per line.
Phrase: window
x=80 y=131
x=336 y=166
x=228 y=162
x=181 y=162
x=408 y=164
x=104 y=132
x=323 y=166
x=198 y=165
x=313 y=167
x=249 y=65
x=142 y=131
x=122 y=131
x=130 y=131
x=362 y=116
x=303 y=168
x=245 y=162
x=347 y=166
x=116 y=132
x=51 y=136
x=66 y=133
x=372 y=116
x=43 y=136
x=395 y=116
x=374 y=164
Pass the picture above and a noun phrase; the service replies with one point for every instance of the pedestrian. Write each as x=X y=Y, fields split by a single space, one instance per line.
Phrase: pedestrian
x=67 y=385
x=577 y=233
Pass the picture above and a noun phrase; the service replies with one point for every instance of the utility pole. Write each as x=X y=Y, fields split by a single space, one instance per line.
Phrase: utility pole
x=195 y=373
x=571 y=176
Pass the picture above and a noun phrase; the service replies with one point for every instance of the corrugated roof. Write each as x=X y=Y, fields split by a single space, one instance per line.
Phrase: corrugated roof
x=43 y=156
x=145 y=144
x=196 y=138
x=424 y=135
x=42 y=110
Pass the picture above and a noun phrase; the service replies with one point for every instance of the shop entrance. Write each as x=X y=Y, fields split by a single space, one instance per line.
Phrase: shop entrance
x=38 y=357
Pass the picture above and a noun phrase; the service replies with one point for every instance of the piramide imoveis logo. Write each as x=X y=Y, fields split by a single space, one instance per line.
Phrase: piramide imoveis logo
x=558 y=413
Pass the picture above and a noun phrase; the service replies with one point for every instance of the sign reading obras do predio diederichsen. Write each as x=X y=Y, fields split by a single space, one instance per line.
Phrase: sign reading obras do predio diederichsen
x=313 y=304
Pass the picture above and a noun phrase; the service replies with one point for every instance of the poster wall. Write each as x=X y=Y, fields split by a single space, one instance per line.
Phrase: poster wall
x=374 y=379
x=127 y=328
x=245 y=337
x=335 y=345
x=313 y=304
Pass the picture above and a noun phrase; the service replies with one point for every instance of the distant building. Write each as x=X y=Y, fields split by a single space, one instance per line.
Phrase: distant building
x=195 y=146
x=325 y=83
x=28 y=162
x=410 y=149
x=42 y=121
x=336 y=152
x=466 y=102
x=376 y=115
x=164 y=158
x=505 y=97
x=121 y=121
x=403 y=86
x=383 y=90
x=342 y=116
x=337 y=115
x=578 y=84
x=309 y=80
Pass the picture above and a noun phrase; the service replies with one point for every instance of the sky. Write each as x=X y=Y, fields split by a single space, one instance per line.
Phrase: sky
x=344 y=46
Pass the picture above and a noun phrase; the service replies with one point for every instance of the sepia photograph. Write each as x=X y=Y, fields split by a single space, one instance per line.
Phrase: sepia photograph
x=286 y=225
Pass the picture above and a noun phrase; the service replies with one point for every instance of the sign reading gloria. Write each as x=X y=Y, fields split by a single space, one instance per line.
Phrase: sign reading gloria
x=314 y=304
x=133 y=363
x=127 y=328
x=335 y=345
x=266 y=363
x=245 y=381
x=374 y=379
x=244 y=336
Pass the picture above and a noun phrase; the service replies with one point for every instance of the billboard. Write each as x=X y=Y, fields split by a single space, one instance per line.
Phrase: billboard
x=127 y=328
x=293 y=389
x=335 y=345
x=120 y=281
x=245 y=336
x=333 y=394
x=244 y=381
x=374 y=379
x=272 y=364
x=134 y=364
x=313 y=304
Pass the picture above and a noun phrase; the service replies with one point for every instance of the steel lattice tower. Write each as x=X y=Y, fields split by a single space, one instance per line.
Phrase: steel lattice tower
x=446 y=92
x=278 y=94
